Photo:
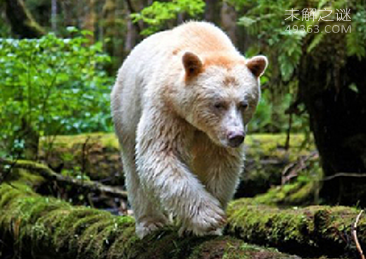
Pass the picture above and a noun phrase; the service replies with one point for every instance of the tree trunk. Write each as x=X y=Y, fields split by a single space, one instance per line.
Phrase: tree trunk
x=21 y=21
x=54 y=15
x=228 y=21
x=131 y=36
x=31 y=140
x=337 y=109
x=212 y=11
x=89 y=18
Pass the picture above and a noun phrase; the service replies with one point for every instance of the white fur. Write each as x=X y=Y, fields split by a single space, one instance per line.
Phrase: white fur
x=174 y=147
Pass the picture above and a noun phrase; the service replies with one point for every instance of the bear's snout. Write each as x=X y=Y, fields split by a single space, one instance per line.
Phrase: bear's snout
x=235 y=138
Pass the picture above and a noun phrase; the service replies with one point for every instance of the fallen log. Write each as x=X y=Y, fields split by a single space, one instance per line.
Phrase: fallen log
x=49 y=174
x=311 y=231
x=32 y=226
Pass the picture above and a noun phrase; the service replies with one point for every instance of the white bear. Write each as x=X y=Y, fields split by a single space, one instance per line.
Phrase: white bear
x=180 y=105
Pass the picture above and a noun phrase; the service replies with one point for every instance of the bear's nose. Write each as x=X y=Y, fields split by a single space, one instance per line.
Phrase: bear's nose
x=235 y=138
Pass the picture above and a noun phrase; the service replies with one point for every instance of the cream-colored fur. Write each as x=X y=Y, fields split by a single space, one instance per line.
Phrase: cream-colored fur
x=177 y=98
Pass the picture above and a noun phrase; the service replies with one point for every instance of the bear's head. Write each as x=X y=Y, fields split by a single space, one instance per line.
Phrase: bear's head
x=220 y=94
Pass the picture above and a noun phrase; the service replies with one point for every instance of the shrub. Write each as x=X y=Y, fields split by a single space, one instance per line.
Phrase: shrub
x=51 y=86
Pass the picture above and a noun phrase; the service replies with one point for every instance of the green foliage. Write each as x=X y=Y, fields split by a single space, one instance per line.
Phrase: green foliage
x=271 y=115
x=52 y=86
x=283 y=39
x=356 y=41
x=159 y=13
x=286 y=42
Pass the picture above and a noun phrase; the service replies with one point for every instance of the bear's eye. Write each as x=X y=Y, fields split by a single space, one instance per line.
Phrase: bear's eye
x=243 y=105
x=219 y=106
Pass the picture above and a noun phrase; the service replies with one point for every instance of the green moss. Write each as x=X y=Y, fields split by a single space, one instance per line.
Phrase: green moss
x=231 y=248
x=310 y=231
x=96 y=155
x=266 y=159
x=107 y=140
x=47 y=227
x=103 y=240
x=273 y=145
x=25 y=177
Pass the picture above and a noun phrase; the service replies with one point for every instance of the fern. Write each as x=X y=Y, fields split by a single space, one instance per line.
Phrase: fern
x=356 y=41
x=315 y=42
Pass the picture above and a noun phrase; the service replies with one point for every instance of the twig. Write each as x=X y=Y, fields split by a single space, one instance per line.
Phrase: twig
x=354 y=235
x=292 y=170
x=342 y=174
x=49 y=174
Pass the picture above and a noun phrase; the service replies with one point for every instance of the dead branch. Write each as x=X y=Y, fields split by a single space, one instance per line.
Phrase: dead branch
x=292 y=170
x=342 y=174
x=354 y=235
x=49 y=174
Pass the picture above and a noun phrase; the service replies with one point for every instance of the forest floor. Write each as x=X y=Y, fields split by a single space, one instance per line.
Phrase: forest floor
x=268 y=211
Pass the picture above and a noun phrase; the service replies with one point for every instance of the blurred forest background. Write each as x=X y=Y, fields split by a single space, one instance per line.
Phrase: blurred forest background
x=307 y=141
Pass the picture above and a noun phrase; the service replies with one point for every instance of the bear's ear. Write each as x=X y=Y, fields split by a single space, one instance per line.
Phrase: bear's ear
x=192 y=64
x=257 y=65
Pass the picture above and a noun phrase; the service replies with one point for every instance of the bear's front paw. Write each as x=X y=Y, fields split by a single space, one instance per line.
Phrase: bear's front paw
x=209 y=219
x=146 y=227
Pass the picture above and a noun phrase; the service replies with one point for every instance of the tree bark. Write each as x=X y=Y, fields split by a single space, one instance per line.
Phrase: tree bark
x=21 y=21
x=337 y=109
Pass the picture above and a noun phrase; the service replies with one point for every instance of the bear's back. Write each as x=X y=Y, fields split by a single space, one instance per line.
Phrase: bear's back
x=200 y=38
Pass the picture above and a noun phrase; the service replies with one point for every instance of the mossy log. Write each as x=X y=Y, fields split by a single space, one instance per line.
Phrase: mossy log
x=97 y=155
x=50 y=175
x=309 y=231
x=33 y=226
